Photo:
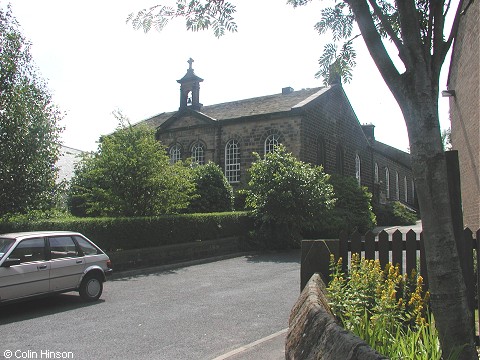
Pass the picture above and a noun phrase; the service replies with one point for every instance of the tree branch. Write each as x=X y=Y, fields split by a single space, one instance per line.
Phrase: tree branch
x=410 y=29
x=375 y=45
x=388 y=28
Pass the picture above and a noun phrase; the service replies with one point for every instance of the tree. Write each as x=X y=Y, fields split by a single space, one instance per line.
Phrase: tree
x=215 y=194
x=353 y=208
x=29 y=130
x=416 y=28
x=418 y=32
x=130 y=175
x=286 y=196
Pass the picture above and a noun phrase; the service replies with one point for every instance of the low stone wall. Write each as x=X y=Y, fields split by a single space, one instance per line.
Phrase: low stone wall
x=170 y=254
x=315 y=334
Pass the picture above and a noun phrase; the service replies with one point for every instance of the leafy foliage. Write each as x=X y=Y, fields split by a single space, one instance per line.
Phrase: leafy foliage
x=124 y=233
x=286 y=195
x=389 y=311
x=395 y=213
x=214 y=192
x=352 y=210
x=198 y=14
x=29 y=130
x=130 y=175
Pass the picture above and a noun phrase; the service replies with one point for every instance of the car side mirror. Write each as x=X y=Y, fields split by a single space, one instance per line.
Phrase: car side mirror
x=10 y=262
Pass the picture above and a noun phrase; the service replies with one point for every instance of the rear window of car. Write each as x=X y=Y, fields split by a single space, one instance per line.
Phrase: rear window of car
x=5 y=245
x=87 y=247
x=62 y=246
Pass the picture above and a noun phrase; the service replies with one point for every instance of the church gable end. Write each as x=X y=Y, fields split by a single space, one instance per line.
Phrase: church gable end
x=186 y=119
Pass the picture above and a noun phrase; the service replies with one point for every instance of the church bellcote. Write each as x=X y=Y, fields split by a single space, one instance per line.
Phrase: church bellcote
x=190 y=89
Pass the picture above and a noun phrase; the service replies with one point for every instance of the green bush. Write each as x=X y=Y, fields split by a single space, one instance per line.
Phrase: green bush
x=352 y=210
x=387 y=310
x=139 y=232
x=285 y=195
x=214 y=193
x=130 y=175
x=395 y=213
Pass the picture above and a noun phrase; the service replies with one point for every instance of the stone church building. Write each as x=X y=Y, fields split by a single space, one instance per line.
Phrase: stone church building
x=316 y=125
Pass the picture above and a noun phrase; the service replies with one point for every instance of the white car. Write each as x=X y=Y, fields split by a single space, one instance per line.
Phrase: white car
x=47 y=262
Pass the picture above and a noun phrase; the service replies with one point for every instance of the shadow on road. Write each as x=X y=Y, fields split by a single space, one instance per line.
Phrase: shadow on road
x=34 y=308
x=287 y=256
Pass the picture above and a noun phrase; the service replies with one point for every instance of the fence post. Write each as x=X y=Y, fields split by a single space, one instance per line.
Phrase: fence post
x=411 y=248
x=316 y=259
x=397 y=250
x=477 y=240
x=383 y=248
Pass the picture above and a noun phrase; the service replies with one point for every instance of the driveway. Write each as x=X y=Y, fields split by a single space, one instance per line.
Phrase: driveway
x=214 y=310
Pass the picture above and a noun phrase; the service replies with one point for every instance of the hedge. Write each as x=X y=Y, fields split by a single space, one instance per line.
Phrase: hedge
x=113 y=234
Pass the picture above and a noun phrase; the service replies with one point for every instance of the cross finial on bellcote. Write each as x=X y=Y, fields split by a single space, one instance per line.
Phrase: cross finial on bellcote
x=190 y=62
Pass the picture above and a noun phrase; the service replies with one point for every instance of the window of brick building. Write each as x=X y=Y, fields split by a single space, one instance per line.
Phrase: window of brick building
x=339 y=160
x=270 y=143
x=321 y=151
x=413 y=190
x=232 y=161
x=357 y=169
x=387 y=182
x=198 y=153
x=175 y=154
x=376 y=173
x=397 y=187
x=405 y=186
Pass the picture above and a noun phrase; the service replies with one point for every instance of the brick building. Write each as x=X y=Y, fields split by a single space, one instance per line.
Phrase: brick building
x=316 y=125
x=463 y=88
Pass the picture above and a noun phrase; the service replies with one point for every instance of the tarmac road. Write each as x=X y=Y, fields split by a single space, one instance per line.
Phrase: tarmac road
x=233 y=309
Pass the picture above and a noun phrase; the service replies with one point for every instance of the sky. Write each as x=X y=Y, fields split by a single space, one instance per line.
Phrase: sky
x=95 y=63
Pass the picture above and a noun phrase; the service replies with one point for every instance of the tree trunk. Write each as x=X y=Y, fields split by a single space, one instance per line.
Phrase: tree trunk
x=447 y=287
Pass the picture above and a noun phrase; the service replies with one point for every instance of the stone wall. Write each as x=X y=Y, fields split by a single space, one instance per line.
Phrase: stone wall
x=170 y=254
x=395 y=167
x=464 y=79
x=315 y=334
x=332 y=121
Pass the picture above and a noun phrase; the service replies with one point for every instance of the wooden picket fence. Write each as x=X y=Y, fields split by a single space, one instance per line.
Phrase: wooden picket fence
x=406 y=250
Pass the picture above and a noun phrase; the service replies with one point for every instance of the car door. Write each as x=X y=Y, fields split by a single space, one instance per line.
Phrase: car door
x=67 y=264
x=31 y=276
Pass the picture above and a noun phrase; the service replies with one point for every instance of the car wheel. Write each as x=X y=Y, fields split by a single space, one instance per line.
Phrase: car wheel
x=91 y=287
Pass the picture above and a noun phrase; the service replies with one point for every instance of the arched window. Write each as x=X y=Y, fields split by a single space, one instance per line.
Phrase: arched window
x=405 y=186
x=397 y=187
x=376 y=173
x=232 y=161
x=387 y=182
x=175 y=154
x=339 y=158
x=357 y=169
x=321 y=151
x=413 y=191
x=198 y=153
x=270 y=143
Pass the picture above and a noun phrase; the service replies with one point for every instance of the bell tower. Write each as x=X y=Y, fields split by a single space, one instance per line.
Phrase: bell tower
x=190 y=89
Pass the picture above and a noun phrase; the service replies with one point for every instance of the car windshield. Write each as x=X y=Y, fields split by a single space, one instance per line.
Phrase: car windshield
x=5 y=245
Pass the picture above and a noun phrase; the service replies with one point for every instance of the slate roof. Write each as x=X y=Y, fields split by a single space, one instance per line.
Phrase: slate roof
x=395 y=154
x=249 y=107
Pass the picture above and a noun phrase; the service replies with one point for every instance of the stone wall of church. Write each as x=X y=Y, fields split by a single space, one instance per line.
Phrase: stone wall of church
x=331 y=126
x=187 y=137
x=405 y=194
x=251 y=135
